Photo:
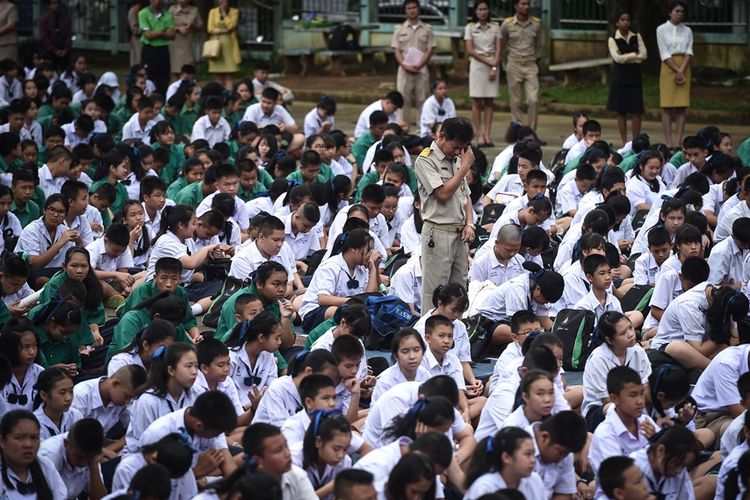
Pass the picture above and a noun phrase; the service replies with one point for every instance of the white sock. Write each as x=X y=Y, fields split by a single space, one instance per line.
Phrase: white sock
x=197 y=309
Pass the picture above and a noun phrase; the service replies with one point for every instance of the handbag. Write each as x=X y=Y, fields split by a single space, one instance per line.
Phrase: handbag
x=211 y=49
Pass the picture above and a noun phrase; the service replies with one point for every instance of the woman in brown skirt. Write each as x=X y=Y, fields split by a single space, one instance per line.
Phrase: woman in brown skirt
x=675 y=41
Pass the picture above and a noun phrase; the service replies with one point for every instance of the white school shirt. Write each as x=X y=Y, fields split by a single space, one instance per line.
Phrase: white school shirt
x=332 y=278
x=226 y=386
x=727 y=466
x=727 y=263
x=94 y=216
x=392 y=376
x=132 y=129
x=612 y=438
x=81 y=224
x=684 y=318
x=406 y=282
x=102 y=261
x=724 y=225
x=9 y=226
x=501 y=161
x=313 y=122
x=280 y=402
x=295 y=427
x=588 y=203
x=175 y=422
x=668 y=287
x=557 y=477
x=302 y=244
x=570 y=141
x=450 y=366
x=679 y=487
x=378 y=225
x=733 y=435
x=500 y=372
x=295 y=485
x=600 y=362
x=168 y=245
x=47 y=428
x=23 y=133
x=124 y=359
x=265 y=371
x=531 y=487
x=565 y=249
x=21 y=294
x=411 y=240
x=367 y=163
x=249 y=258
x=279 y=116
x=88 y=401
x=32 y=131
x=568 y=198
x=10 y=90
x=461 y=344
x=589 y=302
x=21 y=389
x=509 y=183
x=133 y=186
x=486 y=267
x=72 y=139
x=517 y=418
x=76 y=479
x=645 y=270
x=639 y=192
x=509 y=298
x=183 y=488
x=511 y=209
x=729 y=204
x=35 y=241
x=154 y=224
x=204 y=129
x=716 y=389
x=325 y=341
x=240 y=210
x=50 y=474
x=329 y=471
x=576 y=150
x=381 y=461
x=148 y=408
x=363 y=121
x=50 y=185
x=396 y=402
x=434 y=112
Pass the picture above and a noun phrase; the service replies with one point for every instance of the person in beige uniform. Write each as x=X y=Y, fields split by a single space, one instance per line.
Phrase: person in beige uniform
x=446 y=206
x=413 y=43
x=483 y=47
x=520 y=38
x=187 y=22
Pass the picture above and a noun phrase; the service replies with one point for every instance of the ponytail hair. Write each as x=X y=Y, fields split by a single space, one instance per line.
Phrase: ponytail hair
x=157 y=330
x=433 y=411
x=7 y=424
x=323 y=424
x=164 y=358
x=172 y=217
x=249 y=330
x=671 y=380
x=62 y=313
x=488 y=455
x=452 y=292
x=169 y=306
x=46 y=382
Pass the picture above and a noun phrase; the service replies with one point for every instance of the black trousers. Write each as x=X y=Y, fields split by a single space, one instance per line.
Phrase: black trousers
x=156 y=60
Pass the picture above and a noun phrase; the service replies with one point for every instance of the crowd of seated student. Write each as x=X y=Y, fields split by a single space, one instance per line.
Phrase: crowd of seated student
x=160 y=257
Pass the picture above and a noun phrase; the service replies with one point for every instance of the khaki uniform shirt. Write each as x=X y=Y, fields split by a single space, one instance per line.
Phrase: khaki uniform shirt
x=520 y=39
x=421 y=37
x=433 y=170
x=484 y=38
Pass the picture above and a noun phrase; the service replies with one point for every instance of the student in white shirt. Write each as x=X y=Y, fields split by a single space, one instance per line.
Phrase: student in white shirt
x=268 y=246
x=626 y=428
x=78 y=131
x=437 y=108
x=158 y=333
x=55 y=392
x=570 y=194
x=321 y=455
x=269 y=112
x=620 y=478
x=716 y=389
x=505 y=460
x=55 y=171
x=407 y=351
x=19 y=344
x=212 y=126
x=301 y=232
x=618 y=348
x=436 y=413
x=608 y=181
x=599 y=298
x=501 y=262
x=579 y=118
x=391 y=105
x=724 y=225
x=352 y=271
x=729 y=466
x=648 y=264
x=321 y=119
x=645 y=184
x=140 y=124
x=23 y=466
x=522 y=324
x=75 y=455
x=406 y=282
x=727 y=258
x=111 y=259
x=591 y=132
x=537 y=393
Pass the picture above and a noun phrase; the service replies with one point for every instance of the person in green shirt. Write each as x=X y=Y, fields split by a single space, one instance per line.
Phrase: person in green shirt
x=378 y=121
x=193 y=194
x=167 y=278
x=641 y=142
x=251 y=186
x=311 y=169
x=113 y=170
x=192 y=172
x=157 y=28
x=167 y=306
x=54 y=326
x=23 y=207
x=743 y=152
x=48 y=115
x=124 y=110
x=163 y=135
x=189 y=113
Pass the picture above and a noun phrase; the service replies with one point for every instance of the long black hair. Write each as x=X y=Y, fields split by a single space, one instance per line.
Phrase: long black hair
x=94 y=291
x=157 y=330
x=7 y=424
x=172 y=216
x=488 y=454
x=727 y=305
x=162 y=360
x=325 y=425
x=432 y=411
x=411 y=468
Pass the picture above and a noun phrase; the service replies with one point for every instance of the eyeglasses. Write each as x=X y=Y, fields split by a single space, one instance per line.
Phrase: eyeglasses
x=18 y=399
x=55 y=211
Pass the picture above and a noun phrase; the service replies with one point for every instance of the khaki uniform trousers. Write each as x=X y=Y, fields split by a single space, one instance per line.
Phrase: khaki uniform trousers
x=408 y=84
x=526 y=74
x=445 y=258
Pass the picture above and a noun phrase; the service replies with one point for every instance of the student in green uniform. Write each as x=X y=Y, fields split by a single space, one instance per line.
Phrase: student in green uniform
x=9 y=152
x=192 y=172
x=193 y=194
x=54 y=325
x=265 y=179
x=163 y=135
x=112 y=170
x=310 y=169
x=23 y=184
x=167 y=306
x=50 y=113
x=189 y=113
x=243 y=134
x=378 y=121
x=250 y=185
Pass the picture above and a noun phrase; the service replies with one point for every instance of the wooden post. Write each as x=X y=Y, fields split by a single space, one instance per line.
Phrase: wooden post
x=545 y=46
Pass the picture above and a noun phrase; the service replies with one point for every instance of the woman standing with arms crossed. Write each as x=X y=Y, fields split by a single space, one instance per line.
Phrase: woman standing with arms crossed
x=675 y=41
x=222 y=24
x=626 y=89
x=483 y=47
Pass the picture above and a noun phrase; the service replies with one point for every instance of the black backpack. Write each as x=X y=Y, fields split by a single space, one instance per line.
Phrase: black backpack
x=575 y=328
x=231 y=286
x=343 y=38
x=388 y=313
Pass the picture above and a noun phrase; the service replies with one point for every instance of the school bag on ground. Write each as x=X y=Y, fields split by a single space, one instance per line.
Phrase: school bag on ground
x=388 y=313
x=638 y=299
x=575 y=328
x=231 y=286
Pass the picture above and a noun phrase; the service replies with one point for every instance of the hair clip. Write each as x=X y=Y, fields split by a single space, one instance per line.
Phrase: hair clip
x=250 y=464
x=416 y=409
x=318 y=415
x=243 y=329
x=159 y=352
x=490 y=446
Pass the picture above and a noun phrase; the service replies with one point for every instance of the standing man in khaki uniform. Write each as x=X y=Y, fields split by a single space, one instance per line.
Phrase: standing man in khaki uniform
x=413 y=44
x=446 y=206
x=520 y=37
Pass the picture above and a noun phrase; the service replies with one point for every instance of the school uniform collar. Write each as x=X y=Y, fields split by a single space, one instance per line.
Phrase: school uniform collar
x=517 y=21
x=432 y=361
x=96 y=396
x=734 y=248
x=619 y=426
x=420 y=25
x=21 y=487
x=627 y=37
x=435 y=149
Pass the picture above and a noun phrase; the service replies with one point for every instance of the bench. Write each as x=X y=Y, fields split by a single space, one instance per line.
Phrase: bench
x=302 y=57
x=337 y=59
x=602 y=63
x=370 y=53
x=440 y=63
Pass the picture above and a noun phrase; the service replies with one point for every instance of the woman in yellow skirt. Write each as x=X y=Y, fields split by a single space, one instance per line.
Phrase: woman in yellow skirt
x=222 y=25
x=675 y=41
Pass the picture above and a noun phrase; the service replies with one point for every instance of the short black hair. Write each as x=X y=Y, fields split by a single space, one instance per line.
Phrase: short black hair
x=70 y=189
x=213 y=218
x=312 y=384
x=434 y=321
x=457 y=129
x=585 y=171
x=213 y=102
x=378 y=118
x=741 y=230
x=169 y=265
x=88 y=436
x=151 y=183
x=118 y=234
x=395 y=96
x=349 y=478
x=619 y=376
x=435 y=446
x=347 y=347
x=310 y=211
x=658 y=236
x=536 y=175
x=591 y=126
x=695 y=270
x=611 y=473
x=271 y=94
x=440 y=385
x=226 y=170
x=522 y=317
x=215 y=411
x=568 y=429
x=374 y=193
x=310 y=157
x=592 y=263
x=209 y=349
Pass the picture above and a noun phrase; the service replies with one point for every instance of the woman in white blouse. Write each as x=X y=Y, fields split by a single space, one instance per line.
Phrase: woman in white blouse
x=675 y=41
